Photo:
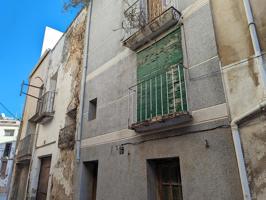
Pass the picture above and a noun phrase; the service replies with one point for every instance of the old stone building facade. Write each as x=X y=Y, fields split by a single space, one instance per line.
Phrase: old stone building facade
x=167 y=102
x=155 y=123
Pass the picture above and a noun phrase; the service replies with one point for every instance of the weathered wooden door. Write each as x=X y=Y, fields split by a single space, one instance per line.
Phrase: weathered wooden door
x=43 y=178
x=154 y=8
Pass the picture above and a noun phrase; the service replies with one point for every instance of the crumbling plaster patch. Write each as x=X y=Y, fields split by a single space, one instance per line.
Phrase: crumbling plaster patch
x=71 y=61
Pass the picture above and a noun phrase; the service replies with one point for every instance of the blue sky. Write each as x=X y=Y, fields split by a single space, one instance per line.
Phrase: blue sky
x=21 y=35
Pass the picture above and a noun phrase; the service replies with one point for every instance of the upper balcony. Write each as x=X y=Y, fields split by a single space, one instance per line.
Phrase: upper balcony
x=159 y=102
x=45 y=108
x=144 y=22
x=25 y=148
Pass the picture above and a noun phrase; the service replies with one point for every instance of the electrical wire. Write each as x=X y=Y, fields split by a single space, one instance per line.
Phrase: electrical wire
x=176 y=135
x=7 y=110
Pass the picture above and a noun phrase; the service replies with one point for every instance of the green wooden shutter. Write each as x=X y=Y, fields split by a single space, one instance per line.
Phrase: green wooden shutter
x=160 y=77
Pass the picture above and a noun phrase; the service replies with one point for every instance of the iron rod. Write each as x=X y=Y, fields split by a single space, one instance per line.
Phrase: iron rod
x=155 y=96
x=151 y=98
x=180 y=86
x=173 y=85
x=167 y=97
x=146 y=101
x=161 y=77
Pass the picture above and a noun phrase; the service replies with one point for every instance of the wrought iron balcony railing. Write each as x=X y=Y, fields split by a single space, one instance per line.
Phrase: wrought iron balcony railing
x=25 y=147
x=134 y=17
x=160 y=98
x=139 y=31
x=45 y=108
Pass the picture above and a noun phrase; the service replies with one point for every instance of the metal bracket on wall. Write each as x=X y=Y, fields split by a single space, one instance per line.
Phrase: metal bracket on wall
x=29 y=85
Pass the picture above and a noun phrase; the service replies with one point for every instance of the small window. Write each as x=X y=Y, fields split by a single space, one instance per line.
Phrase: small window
x=3 y=169
x=92 y=109
x=164 y=179
x=7 y=150
x=9 y=132
x=53 y=82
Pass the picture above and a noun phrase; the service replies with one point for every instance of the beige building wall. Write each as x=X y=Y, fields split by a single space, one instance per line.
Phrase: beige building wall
x=259 y=8
x=36 y=78
x=242 y=81
x=24 y=144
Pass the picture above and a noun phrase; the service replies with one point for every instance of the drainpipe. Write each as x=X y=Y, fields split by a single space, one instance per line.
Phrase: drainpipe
x=258 y=108
x=255 y=41
x=83 y=82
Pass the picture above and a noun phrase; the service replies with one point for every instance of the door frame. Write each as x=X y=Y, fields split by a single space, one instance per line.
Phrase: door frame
x=41 y=158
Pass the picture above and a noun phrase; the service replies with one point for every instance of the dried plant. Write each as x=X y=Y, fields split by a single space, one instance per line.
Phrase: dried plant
x=75 y=3
x=135 y=17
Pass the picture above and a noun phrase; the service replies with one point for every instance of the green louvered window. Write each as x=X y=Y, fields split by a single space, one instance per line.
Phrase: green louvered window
x=160 y=75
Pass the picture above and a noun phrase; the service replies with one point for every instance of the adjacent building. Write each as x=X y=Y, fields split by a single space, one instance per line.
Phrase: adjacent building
x=45 y=156
x=8 y=136
x=240 y=32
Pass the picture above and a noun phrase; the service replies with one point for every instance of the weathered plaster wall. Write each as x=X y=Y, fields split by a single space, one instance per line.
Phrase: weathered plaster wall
x=258 y=8
x=65 y=60
x=62 y=181
x=240 y=70
x=231 y=29
x=20 y=174
x=241 y=76
x=242 y=81
x=253 y=136
x=36 y=78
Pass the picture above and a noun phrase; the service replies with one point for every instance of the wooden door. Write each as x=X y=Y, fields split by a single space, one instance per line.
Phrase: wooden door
x=43 y=178
x=154 y=8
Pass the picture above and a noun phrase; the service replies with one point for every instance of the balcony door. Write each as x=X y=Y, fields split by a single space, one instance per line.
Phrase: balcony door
x=43 y=178
x=161 y=81
x=154 y=8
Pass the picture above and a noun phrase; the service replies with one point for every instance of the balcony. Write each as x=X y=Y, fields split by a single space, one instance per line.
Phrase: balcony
x=159 y=102
x=139 y=31
x=25 y=148
x=45 y=108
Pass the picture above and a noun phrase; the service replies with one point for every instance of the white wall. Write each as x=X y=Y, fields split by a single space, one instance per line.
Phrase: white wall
x=6 y=124
x=51 y=37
